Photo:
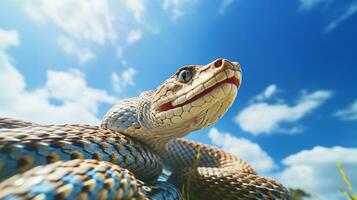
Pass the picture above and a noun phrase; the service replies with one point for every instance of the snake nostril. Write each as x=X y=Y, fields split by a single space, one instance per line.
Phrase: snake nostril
x=218 y=63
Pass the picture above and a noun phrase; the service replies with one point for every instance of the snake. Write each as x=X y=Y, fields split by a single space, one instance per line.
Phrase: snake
x=137 y=140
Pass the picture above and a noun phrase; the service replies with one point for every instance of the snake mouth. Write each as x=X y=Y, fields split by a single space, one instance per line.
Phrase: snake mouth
x=168 y=106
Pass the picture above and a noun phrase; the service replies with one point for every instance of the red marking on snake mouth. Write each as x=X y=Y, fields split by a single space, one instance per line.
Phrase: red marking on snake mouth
x=168 y=105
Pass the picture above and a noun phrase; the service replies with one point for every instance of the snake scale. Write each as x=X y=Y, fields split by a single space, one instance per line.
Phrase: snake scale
x=138 y=137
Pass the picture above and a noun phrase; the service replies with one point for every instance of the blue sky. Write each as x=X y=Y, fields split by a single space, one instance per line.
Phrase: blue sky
x=296 y=111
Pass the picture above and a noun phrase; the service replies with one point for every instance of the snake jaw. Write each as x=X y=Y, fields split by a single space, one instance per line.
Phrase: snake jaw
x=169 y=105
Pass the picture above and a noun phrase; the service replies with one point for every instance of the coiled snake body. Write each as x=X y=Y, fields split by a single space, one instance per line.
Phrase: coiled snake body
x=123 y=157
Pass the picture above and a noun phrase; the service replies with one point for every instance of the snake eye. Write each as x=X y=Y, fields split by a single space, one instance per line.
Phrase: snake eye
x=185 y=76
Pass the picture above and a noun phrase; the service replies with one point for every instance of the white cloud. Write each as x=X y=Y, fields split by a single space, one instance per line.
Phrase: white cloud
x=176 y=7
x=70 y=47
x=78 y=103
x=87 y=20
x=224 y=5
x=349 y=113
x=267 y=93
x=137 y=8
x=243 y=148
x=120 y=82
x=265 y=118
x=349 y=12
x=85 y=24
x=316 y=170
x=134 y=36
x=120 y=55
x=82 y=22
x=309 y=4
x=8 y=38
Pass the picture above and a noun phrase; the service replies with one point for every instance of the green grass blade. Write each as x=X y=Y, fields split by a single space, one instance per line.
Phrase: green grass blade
x=186 y=187
x=346 y=194
x=344 y=176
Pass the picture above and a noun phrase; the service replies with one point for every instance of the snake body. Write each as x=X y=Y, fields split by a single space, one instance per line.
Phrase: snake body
x=123 y=157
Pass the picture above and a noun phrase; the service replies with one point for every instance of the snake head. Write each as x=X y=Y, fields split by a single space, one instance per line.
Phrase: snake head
x=193 y=98
x=197 y=96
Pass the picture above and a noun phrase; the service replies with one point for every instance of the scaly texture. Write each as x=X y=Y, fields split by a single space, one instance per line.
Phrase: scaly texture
x=76 y=179
x=193 y=98
x=103 y=158
x=24 y=148
x=217 y=174
x=13 y=123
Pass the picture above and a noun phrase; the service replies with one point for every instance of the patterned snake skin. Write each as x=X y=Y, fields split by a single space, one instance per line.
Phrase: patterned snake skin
x=138 y=137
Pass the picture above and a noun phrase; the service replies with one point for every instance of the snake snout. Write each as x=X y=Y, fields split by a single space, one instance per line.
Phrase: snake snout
x=236 y=66
x=226 y=64
x=233 y=65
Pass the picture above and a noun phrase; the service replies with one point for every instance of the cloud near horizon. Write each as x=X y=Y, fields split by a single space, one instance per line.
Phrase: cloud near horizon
x=313 y=170
x=316 y=172
x=267 y=118
x=243 y=148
